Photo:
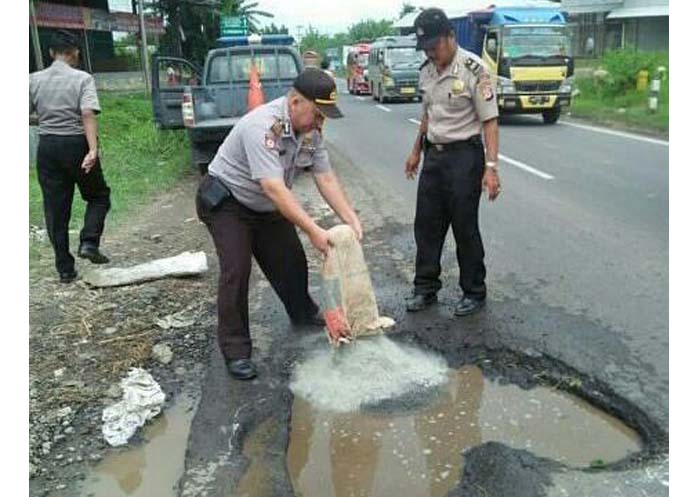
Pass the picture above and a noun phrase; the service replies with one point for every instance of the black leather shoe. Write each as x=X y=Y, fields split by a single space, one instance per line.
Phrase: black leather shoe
x=315 y=320
x=92 y=253
x=241 y=369
x=467 y=305
x=68 y=276
x=420 y=301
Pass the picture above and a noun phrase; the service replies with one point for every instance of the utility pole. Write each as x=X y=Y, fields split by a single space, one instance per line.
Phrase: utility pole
x=35 y=37
x=143 y=44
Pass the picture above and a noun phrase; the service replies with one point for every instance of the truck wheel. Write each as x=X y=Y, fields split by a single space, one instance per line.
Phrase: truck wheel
x=551 y=116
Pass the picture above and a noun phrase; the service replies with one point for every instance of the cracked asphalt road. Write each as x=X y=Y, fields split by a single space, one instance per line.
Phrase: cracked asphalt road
x=577 y=257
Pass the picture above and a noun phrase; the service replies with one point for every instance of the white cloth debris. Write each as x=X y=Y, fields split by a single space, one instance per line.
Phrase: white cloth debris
x=351 y=306
x=184 y=264
x=177 y=320
x=162 y=353
x=142 y=400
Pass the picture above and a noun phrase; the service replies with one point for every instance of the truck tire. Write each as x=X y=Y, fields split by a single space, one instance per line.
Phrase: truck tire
x=551 y=116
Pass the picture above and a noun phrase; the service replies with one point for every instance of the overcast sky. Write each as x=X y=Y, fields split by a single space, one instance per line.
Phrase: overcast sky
x=334 y=16
x=328 y=16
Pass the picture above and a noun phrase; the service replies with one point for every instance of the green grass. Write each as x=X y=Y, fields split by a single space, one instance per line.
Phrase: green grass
x=138 y=160
x=139 y=163
x=589 y=104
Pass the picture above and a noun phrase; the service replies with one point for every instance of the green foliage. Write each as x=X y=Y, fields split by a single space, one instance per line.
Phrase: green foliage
x=272 y=29
x=623 y=67
x=406 y=8
x=366 y=30
x=369 y=29
x=138 y=160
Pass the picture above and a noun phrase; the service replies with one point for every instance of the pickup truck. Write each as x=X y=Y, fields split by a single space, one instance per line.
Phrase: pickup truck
x=209 y=102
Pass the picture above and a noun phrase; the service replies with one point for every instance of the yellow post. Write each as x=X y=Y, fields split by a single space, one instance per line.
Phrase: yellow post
x=642 y=80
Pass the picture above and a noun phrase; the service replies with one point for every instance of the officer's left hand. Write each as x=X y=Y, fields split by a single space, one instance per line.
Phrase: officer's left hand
x=89 y=161
x=491 y=183
x=357 y=228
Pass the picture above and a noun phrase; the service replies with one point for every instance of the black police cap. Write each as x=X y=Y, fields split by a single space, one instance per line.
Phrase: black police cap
x=315 y=85
x=430 y=25
x=63 y=40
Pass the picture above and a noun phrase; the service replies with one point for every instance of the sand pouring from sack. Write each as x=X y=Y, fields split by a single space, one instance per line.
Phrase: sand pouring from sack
x=365 y=373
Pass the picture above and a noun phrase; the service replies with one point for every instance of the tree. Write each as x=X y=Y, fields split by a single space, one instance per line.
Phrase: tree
x=406 y=8
x=272 y=29
x=242 y=8
x=370 y=29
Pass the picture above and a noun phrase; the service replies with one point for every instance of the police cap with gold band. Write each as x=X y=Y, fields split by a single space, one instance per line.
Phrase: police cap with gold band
x=317 y=86
x=431 y=24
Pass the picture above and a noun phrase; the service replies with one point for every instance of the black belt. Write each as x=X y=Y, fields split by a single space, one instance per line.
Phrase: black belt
x=457 y=145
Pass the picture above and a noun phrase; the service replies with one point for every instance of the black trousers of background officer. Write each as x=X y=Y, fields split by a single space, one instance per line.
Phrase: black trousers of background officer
x=59 y=161
x=449 y=189
x=239 y=233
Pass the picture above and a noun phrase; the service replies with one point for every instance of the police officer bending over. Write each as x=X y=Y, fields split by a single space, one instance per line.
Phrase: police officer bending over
x=458 y=101
x=246 y=203
x=66 y=102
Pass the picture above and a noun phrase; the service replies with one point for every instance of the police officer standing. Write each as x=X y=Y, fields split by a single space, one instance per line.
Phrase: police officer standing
x=459 y=103
x=65 y=100
x=246 y=202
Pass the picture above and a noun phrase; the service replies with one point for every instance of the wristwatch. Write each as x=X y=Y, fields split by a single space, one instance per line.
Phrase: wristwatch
x=492 y=164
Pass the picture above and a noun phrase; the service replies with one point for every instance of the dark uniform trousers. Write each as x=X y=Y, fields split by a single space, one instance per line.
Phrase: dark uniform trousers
x=239 y=233
x=449 y=189
x=59 y=161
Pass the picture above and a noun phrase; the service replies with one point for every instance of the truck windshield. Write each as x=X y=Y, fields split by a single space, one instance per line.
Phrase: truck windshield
x=538 y=41
x=361 y=59
x=403 y=57
x=238 y=66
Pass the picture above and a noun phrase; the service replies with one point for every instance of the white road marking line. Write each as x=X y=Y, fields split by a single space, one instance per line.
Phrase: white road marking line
x=510 y=161
x=382 y=107
x=617 y=133
x=358 y=97
x=525 y=167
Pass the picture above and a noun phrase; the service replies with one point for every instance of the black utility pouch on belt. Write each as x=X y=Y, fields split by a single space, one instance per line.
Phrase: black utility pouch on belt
x=213 y=192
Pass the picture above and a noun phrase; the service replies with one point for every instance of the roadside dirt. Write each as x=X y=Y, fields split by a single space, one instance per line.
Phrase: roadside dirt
x=82 y=340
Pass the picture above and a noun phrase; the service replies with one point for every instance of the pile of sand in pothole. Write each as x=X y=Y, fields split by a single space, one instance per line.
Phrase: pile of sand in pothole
x=365 y=373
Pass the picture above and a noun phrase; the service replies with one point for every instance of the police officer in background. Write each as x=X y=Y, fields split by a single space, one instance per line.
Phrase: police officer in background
x=246 y=203
x=459 y=103
x=65 y=101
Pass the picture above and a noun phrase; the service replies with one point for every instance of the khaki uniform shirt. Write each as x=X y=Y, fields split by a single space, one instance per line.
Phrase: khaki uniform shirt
x=59 y=94
x=457 y=100
x=263 y=145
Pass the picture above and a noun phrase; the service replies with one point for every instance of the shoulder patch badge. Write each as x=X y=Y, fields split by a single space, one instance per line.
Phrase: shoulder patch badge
x=485 y=87
x=270 y=142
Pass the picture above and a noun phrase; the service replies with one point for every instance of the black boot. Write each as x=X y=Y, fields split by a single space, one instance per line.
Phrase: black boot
x=68 y=276
x=420 y=301
x=467 y=305
x=241 y=369
x=91 y=252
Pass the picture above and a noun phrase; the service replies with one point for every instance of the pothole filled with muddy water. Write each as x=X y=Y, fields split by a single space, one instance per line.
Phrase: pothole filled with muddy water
x=381 y=418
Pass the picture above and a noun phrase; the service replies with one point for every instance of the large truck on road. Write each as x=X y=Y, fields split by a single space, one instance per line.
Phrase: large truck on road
x=527 y=51
x=393 y=68
x=356 y=69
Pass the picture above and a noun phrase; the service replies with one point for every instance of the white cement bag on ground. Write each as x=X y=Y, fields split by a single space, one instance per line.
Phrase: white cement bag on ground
x=142 y=400
x=184 y=264
x=350 y=305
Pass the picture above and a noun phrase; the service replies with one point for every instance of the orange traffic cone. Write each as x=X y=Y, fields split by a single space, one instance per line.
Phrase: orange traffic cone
x=255 y=97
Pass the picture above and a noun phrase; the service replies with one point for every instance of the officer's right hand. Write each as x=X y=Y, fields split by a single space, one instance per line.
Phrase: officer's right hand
x=412 y=164
x=320 y=239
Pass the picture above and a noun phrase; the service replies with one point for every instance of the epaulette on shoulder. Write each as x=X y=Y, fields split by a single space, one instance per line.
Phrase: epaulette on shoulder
x=425 y=63
x=472 y=65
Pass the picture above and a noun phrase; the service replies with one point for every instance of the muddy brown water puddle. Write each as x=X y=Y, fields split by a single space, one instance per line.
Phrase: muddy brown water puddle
x=152 y=468
x=419 y=453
